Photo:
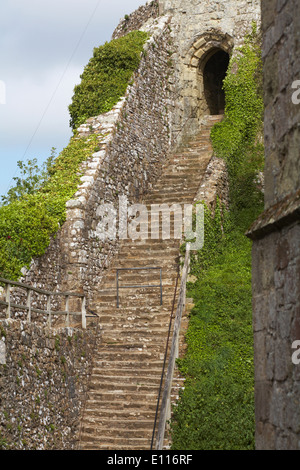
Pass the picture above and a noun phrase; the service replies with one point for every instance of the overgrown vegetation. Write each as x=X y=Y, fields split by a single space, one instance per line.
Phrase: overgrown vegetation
x=106 y=77
x=35 y=208
x=216 y=408
x=31 y=179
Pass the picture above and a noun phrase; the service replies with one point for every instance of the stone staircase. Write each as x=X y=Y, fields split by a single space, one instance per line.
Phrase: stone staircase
x=120 y=408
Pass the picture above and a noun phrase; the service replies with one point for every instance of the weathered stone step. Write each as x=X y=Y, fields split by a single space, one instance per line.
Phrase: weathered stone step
x=150 y=262
x=131 y=278
x=179 y=184
x=138 y=251
x=126 y=434
x=143 y=330
x=170 y=198
x=128 y=364
x=154 y=313
x=156 y=352
x=108 y=443
x=145 y=344
x=96 y=404
x=125 y=388
x=108 y=325
x=157 y=247
x=132 y=397
x=101 y=423
x=145 y=301
x=150 y=243
x=129 y=376
x=128 y=414
x=106 y=354
x=109 y=322
x=168 y=275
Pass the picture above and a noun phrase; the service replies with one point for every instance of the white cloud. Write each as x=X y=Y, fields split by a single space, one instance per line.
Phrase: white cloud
x=44 y=47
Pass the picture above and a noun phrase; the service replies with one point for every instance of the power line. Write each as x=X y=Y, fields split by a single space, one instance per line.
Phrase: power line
x=58 y=85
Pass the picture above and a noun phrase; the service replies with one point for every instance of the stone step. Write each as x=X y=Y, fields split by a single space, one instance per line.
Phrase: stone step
x=131 y=363
x=151 y=243
x=134 y=312
x=127 y=355
x=107 y=443
x=134 y=275
x=112 y=431
x=174 y=181
x=131 y=397
x=112 y=375
x=107 y=324
x=127 y=414
x=154 y=251
x=101 y=423
x=138 y=278
x=128 y=364
x=122 y=387
x=150 y=262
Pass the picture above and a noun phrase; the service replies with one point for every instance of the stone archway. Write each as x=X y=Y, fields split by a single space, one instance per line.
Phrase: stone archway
x=208 y=63
x=214 y=72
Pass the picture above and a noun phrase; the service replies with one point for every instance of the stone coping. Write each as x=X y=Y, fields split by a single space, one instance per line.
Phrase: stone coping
x=281 y=214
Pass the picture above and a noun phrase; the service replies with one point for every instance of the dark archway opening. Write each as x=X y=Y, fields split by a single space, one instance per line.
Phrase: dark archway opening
x=213 y=76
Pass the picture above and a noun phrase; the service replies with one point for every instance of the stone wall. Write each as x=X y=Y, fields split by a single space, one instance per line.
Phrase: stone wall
x=133 y=141
x=43 y=380
x=162 y=106
x=200 y=27
x=282 y=68
x=136 y=19
x=215 y=185
x=137 y=142
x=276 y=235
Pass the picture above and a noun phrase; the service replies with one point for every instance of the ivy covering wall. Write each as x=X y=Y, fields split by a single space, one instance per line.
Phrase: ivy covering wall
x=29 y=219
x=106 y=77
x=216 y=409
x=27 y=224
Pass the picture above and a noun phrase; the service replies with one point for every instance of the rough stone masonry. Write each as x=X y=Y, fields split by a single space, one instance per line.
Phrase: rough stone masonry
x=276 y=235
x=164 y=104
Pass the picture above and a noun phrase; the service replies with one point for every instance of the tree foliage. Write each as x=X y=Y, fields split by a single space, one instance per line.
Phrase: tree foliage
x=36 y=207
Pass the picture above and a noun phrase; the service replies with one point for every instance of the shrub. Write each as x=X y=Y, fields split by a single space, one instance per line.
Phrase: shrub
x=106 y=77
x=27 y=223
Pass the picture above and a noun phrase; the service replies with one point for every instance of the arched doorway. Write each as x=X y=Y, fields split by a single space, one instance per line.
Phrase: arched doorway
x=214 y=72
x=203 y=70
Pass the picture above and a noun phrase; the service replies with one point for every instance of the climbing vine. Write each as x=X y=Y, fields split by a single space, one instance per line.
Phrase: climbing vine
x=216 y=408
x=27 y=223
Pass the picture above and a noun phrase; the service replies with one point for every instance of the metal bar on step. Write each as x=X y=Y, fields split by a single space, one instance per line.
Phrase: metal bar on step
x=139 y=286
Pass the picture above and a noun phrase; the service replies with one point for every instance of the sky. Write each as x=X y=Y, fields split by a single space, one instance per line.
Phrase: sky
x=44 y=47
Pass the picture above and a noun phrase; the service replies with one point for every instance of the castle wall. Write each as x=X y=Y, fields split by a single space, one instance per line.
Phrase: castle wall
x=133 y=141
x=276 y=235
x=164 y=103
x=198 y=27
x=43 y=382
